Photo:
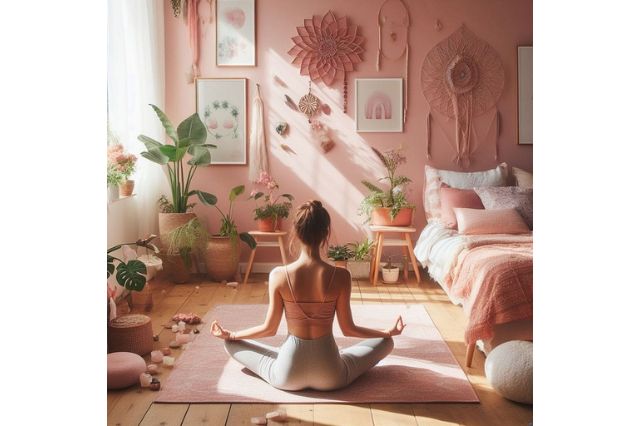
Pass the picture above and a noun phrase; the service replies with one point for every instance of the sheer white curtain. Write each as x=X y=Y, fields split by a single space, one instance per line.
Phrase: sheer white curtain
x=135 y=80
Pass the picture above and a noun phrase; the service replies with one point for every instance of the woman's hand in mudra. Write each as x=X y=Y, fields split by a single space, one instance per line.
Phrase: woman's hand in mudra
x=219 y=332
x=397 y=328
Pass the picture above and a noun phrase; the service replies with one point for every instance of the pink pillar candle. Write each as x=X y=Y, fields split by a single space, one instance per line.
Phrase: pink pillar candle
x=168 y=361
x=145 y=380
x=156 y=356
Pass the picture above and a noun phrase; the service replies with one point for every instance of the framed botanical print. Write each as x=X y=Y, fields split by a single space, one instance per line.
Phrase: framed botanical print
x=525 y=95
x=379 y=106
x=235 y=33
x=221 y=104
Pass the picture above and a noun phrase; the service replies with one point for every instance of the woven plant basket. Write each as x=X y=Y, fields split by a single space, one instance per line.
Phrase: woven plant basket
x=130 y=333
x=167 y=222
x=222 y=258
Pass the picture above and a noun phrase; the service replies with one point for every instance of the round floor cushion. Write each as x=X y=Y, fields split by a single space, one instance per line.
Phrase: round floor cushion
x=509 y=370
x=123 y=369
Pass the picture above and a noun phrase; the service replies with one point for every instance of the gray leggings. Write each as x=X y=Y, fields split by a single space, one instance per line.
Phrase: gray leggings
x=317 y=364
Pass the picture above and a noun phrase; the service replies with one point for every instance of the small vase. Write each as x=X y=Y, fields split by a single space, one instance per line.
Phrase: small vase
x=126 y=189
x=390 y=275
x=113 y=194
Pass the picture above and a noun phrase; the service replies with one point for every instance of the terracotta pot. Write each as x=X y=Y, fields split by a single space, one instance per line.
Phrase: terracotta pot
x=222 y=258
x=167 y=222
x=269 y=224
x=142 y=300
x=381 y=216
x=340 y=263
x=126 y=189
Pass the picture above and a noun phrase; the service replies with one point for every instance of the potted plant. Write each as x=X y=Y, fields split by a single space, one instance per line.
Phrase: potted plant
x=361 y=263
x=223 y=252
x=114 y=179
x=131 y=274
x=340 y=254
x=123 y=165
x=188 y=139
x=390 y=273
x=180 y=244
x=388 y=207
x=270 y=214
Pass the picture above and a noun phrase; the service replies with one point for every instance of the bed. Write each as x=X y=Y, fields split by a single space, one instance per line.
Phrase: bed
x=489 y=275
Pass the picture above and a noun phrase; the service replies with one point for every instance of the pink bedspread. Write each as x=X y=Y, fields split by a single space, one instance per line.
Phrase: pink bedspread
x=494 y=279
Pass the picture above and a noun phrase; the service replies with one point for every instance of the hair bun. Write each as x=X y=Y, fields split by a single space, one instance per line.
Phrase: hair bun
x=316 y=204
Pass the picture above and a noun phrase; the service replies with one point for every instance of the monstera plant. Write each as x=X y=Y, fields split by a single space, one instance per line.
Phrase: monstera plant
x=189 y=138
x=130 y=274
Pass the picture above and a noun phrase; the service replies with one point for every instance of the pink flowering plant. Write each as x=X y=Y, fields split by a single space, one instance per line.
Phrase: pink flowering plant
x=394 y=197
x=120 y=165
x=273 y=206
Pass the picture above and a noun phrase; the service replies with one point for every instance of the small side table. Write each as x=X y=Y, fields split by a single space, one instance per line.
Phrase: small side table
x=404 y=242
x=265 y=239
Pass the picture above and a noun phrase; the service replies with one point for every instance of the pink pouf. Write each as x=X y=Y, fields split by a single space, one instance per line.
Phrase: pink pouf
x=123 y=369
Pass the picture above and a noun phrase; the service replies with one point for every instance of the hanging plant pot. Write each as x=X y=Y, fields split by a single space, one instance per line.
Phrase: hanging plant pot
x=381 y=216
x=222 y=258
x=269 y=224
x=126 y=189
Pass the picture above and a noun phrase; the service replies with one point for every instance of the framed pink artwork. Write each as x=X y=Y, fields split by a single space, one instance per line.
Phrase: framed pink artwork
x=379 y=105
x=236 y=33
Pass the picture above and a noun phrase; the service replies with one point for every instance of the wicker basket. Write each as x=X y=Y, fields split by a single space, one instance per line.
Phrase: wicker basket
x=130 y=333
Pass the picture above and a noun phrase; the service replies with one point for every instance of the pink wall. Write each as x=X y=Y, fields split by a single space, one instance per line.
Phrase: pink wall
x=334 y=178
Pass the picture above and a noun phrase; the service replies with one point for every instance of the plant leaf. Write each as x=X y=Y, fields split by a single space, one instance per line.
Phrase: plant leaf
x=150 y=143
x=169 y=151
x=235 y=192
x=288 y=196
x=257 y=196
x=192 y=131
x=166 y=123
x=156 y=156
x=131 y=275
x=205 y=197
x=248 y=239
x=371 y=187
x=110 y=266
x=201 y=155
x=380 y=156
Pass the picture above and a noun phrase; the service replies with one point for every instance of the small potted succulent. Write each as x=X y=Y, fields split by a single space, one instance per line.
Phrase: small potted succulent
x=388 y=207
x=222 y=255
x=390 y=273
x=269 y=215
x=361 y=260
x=340 y=254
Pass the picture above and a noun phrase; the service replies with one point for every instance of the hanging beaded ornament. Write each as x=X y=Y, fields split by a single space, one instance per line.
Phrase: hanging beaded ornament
x=309 y=104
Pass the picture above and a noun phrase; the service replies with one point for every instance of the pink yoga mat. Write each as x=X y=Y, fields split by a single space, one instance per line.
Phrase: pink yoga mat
x=420 y=369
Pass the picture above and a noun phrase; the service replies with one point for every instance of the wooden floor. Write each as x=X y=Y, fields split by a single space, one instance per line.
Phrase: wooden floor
x=134 y=406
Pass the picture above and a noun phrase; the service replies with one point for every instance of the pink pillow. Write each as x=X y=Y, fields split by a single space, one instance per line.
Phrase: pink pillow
x=451 y=198
x=507 y=197
x=497 y=221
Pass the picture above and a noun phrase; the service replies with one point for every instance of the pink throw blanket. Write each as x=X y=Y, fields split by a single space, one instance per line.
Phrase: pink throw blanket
x=494 y=279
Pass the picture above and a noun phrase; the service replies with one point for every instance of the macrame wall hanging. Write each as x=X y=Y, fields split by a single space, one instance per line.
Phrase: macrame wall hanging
x=326 y=48
x=309 y=104
x=197 y=14
x=393 y=39
x=258 y=157
x=462 y=77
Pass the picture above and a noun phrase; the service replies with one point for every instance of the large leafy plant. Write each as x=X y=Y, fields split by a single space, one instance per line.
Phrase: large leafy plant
x=228 y=227
x=394 y=196
x=361 y=249
x=129 y=274
x=189 y=138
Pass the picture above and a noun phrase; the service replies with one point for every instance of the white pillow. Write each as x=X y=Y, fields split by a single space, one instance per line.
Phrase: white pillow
x=523 y=178
x=434 y=178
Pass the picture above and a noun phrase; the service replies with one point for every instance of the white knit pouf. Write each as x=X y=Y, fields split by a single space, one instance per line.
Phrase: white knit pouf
x=509 y=370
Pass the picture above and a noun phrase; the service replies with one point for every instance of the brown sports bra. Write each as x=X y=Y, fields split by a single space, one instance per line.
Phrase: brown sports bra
x=303 y=313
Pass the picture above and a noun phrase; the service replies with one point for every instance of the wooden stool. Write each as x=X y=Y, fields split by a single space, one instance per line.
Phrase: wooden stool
x=404 y=242
x=257 y=235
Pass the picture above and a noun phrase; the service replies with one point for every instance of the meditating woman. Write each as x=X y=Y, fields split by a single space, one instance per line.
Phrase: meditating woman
x=310 y=292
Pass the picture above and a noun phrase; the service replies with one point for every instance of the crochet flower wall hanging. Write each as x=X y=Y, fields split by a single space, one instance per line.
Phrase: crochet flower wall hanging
x=462 y=77
x=326 y=48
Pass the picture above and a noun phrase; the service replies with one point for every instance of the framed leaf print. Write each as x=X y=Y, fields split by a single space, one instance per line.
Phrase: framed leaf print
x=221 y=104
x=236 y=33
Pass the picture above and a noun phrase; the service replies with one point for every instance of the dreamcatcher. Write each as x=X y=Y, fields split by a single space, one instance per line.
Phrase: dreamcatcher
x=309 y=104
x=462 y=77
x=393 y=39
x=326 y=48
